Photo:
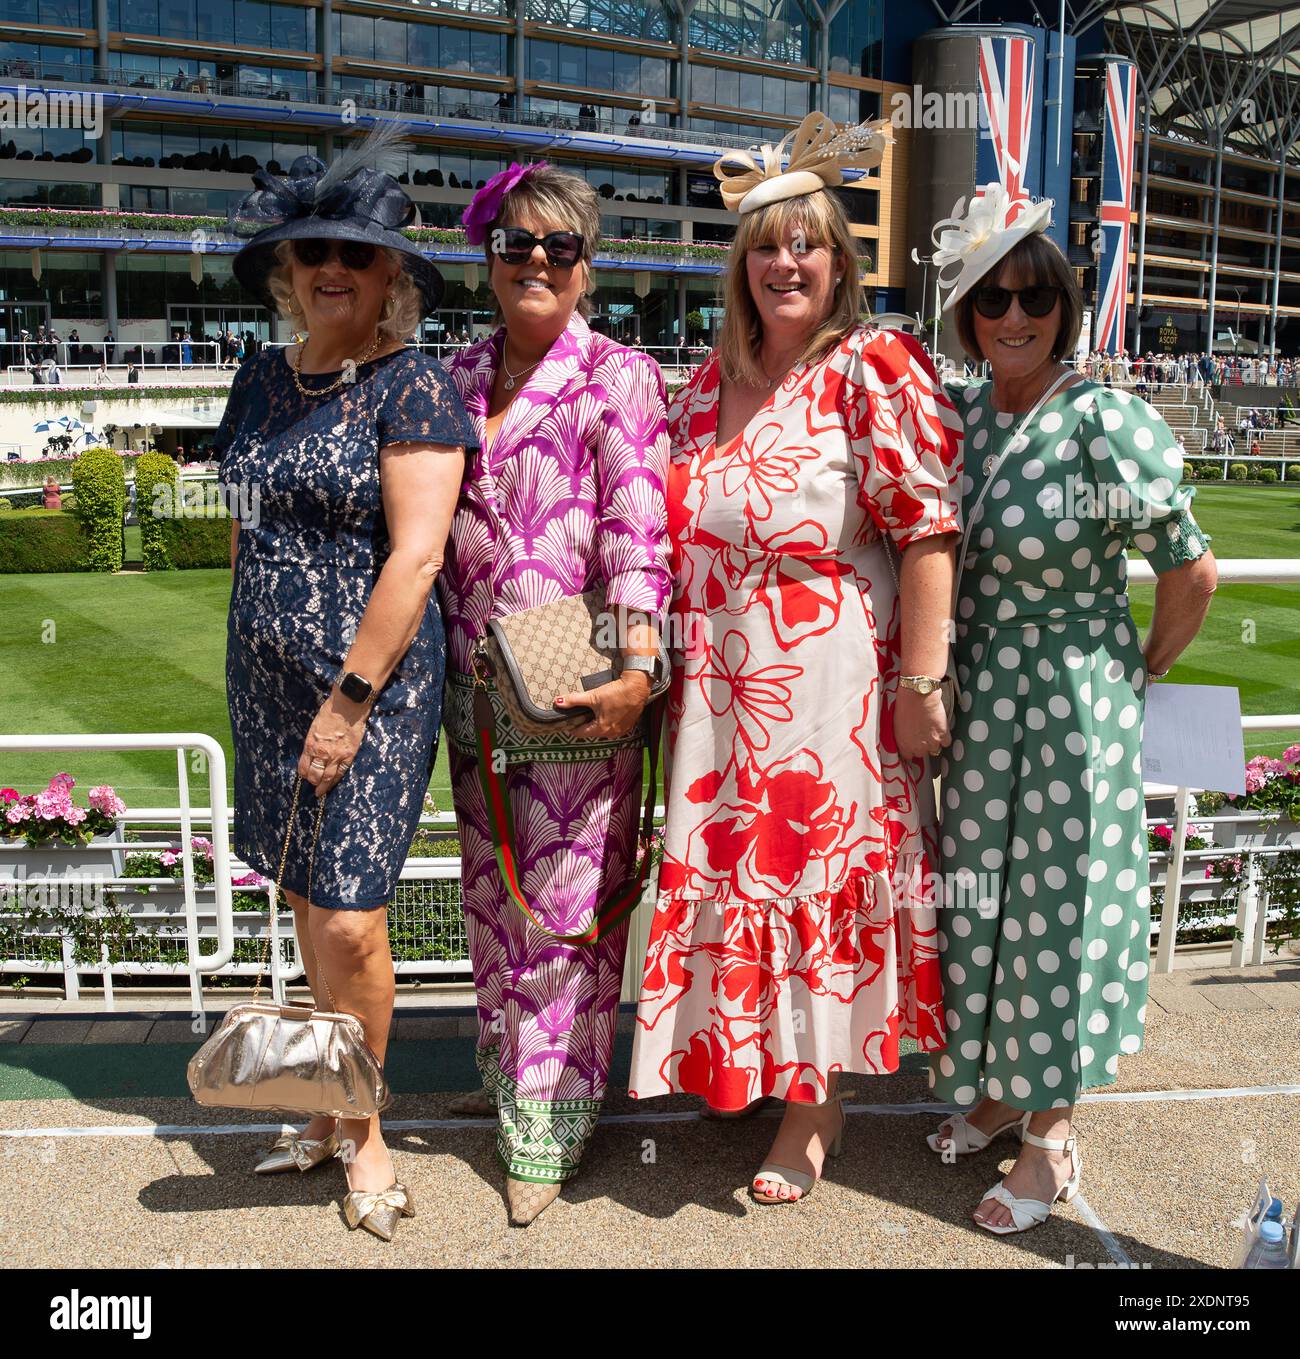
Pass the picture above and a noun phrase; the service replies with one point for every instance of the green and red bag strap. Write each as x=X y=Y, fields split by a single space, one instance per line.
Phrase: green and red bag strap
x=623 y=900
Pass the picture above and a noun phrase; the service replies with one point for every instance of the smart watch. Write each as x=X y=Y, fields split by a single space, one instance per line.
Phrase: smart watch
x=649 y=665
x=353 y=686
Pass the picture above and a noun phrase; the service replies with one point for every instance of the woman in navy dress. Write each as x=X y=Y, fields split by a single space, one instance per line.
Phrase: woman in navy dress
x=342 y=459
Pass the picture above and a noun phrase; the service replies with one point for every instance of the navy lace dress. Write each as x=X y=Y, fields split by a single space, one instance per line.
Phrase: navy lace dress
x=302 y=475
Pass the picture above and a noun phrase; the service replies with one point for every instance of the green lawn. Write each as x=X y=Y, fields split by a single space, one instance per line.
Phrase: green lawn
x=129 y=652
x=1251 y=638
x=137 y=652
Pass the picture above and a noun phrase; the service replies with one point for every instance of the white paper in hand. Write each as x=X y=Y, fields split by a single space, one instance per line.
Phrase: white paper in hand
x=1192 y=737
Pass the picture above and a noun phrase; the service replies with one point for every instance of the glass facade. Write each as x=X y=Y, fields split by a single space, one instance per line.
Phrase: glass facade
x=196 y=147
x=361 y=37
x=628 y=18
x=32 y=59
x=598 y=68
x=773 y=30
x=247 y=23
x=749 y=90
x=857 y=34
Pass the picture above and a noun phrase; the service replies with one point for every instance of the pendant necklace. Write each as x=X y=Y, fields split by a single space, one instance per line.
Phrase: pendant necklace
x=511 y=378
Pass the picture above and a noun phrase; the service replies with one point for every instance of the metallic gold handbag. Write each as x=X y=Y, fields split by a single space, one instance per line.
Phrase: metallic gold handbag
x=290 y=1058
x=556 y=648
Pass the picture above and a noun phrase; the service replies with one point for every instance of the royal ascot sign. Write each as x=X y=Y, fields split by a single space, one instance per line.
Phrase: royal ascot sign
x=1168 y=334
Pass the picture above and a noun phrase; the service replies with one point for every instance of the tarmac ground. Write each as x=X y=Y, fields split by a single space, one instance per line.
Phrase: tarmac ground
x=105 y=1161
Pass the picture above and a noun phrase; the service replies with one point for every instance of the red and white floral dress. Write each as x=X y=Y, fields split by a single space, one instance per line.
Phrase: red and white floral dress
x=795 y=934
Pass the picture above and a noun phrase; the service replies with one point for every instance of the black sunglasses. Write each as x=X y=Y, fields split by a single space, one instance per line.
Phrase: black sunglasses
x=515 y=245
x=310 y=251
x=1036 y=300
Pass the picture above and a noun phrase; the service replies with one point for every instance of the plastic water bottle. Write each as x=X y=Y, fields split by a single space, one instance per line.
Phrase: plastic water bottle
x=1269 y=1251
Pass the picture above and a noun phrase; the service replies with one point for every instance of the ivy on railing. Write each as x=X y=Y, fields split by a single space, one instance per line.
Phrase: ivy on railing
x=129 y=392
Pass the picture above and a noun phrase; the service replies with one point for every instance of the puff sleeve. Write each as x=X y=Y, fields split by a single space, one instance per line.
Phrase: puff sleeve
x=1138 y=467
x=905 y=437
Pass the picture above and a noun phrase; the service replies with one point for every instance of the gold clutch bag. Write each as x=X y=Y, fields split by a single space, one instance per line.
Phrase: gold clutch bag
x=291 y=1058
x=564 y=647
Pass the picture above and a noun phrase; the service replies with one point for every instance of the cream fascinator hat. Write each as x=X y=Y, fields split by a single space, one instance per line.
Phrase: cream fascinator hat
x=970 y=242
x=818 y=153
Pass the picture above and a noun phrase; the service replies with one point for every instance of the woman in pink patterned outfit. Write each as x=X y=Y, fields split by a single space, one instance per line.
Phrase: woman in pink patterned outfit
x=566 y=493
x=795 y=933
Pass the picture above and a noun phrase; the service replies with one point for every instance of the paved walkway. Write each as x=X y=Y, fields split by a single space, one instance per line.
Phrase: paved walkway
x=95 y=1117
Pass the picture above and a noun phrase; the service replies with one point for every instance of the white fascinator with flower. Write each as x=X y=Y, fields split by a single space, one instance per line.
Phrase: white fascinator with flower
x=819 y=153
x=970 y=242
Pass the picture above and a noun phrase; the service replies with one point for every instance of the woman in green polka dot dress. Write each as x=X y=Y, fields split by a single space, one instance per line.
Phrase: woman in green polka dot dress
x=1044 y=936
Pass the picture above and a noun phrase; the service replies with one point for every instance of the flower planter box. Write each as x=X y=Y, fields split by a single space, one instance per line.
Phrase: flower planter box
x=55 y=861
x=1262 y=835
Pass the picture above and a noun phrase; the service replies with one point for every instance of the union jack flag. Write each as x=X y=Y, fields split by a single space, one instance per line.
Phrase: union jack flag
x=1116 y=204
x=1007 y=88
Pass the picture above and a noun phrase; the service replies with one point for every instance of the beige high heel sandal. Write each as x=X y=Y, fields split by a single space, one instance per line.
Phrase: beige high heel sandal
x=797 y=1179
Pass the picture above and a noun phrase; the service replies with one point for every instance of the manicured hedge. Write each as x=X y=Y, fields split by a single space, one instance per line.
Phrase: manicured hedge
x=157 y=499
x=197 y=543
x=18 y=474
x=42 y=540
x=100 y=487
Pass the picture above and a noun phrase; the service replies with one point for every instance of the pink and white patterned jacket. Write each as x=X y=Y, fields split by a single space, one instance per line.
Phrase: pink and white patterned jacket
x=571 y=494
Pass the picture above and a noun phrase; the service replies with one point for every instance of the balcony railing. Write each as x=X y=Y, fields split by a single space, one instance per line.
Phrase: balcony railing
x=509 y=114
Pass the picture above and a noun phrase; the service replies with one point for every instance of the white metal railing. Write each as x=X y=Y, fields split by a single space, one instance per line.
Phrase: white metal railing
x=1252 y=917
x=181 y=743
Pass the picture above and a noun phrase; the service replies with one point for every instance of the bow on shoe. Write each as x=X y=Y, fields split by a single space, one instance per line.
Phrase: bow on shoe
x=818 y=152
x=359 y=1204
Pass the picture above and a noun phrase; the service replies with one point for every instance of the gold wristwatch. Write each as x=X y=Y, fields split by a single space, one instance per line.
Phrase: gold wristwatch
x=923 y=684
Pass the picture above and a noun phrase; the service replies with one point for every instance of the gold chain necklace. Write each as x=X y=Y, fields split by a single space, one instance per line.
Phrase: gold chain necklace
x=345 y=376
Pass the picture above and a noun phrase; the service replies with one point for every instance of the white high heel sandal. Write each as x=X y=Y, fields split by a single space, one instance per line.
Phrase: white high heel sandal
x=1027 y=1213
x=965 y=1138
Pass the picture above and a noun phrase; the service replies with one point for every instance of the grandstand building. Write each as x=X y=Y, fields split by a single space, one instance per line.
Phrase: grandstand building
x=1164 y=130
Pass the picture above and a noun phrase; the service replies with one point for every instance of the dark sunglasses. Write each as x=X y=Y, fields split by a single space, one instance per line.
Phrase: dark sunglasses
x=515 y=245
x=354 y=254
x=1036 y=301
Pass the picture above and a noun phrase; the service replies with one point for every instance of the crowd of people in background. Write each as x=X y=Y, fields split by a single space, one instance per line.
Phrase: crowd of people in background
x=42 y=353
x=1191 y=370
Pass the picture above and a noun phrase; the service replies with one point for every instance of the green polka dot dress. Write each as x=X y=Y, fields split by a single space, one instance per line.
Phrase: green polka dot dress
x=1044 y=936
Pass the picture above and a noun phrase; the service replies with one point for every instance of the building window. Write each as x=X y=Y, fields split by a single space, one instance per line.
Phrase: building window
x=643 y=19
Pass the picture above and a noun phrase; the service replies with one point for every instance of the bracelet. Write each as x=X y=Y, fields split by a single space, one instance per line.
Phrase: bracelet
x=1153 y=677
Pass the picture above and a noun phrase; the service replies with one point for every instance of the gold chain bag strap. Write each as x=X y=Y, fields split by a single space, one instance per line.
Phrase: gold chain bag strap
x=563 y=647
x=290 y=1058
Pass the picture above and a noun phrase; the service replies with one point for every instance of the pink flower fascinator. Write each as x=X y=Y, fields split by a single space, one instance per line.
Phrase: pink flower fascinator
x=485 y=206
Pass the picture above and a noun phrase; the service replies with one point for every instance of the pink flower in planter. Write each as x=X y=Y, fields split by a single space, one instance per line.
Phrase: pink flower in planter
x=1291 y=755
x=104 y=799
x=250 y=880
x=53 y=804
x=200 y=843
x=168 y=858
x=1254 y=781
x=1164 y=832
x=65 y=782
x=18 y=811
x=74 y=816
x=8 y=794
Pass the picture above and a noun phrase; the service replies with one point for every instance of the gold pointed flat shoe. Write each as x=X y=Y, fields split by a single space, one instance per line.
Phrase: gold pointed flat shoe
x=527 y=1199
x=378 y=1213
x=292 y=1152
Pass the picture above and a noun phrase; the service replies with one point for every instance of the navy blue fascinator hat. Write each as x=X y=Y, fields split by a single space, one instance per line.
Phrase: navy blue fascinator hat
x=347 y=200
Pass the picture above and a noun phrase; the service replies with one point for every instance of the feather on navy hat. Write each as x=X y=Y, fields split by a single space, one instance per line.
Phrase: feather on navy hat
x=347 y=200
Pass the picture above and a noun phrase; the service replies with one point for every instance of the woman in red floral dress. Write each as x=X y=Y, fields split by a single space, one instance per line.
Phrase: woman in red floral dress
x=795 y=936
